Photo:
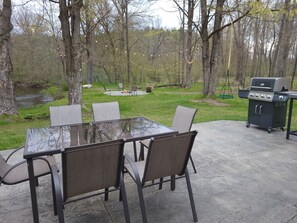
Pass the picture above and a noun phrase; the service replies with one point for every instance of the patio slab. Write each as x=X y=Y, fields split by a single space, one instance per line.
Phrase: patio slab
x=244 y=175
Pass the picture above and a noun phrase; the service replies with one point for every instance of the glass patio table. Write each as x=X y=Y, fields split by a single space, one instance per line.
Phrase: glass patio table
x=53 y=140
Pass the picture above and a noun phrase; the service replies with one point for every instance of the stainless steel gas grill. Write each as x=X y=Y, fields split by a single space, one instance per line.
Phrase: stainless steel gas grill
x=267 y=102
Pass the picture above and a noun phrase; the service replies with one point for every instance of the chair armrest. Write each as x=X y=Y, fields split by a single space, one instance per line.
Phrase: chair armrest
x=13 y=152
x=57 y=193
x=22 y=162
x=56 y=179
x=145 y=143
x=131 y=162
x=10 y=169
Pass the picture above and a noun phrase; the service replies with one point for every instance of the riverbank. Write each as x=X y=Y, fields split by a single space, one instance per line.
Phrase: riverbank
x=158 y=105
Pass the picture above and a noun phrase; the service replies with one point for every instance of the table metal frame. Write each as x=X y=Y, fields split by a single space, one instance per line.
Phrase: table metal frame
x=292 y=97
x=29 y=156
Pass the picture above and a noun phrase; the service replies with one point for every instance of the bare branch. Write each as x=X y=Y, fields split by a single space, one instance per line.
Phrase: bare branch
x=229 y=24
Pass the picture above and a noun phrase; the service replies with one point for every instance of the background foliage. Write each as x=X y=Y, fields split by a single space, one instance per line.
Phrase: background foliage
x=254 y=43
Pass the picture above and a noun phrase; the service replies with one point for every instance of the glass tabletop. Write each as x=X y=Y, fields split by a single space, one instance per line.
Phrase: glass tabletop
x=52 y=140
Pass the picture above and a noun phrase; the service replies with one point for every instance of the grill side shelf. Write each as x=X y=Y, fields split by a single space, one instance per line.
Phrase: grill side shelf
x=243 y=93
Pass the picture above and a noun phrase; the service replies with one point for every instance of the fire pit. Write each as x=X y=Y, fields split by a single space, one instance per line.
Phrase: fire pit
x=124 y=93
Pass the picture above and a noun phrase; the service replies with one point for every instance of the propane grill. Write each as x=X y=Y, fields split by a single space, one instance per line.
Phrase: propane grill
x=268 y=89
x=267 y=102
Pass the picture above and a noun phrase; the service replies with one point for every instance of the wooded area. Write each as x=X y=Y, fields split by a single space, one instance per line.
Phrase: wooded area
x=70 y=42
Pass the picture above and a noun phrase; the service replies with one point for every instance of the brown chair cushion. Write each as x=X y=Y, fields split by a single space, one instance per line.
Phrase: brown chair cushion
x=20 y=173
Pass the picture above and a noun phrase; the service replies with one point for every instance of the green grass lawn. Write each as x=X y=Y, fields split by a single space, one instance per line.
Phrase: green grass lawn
x=159 y=106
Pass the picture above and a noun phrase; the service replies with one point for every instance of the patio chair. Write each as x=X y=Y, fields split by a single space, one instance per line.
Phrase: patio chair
x=120 y=86
x=134 y=89
x=18 y=172
x=182 y=122
x=106 y=111
x=88 y=169
x=65 y=115
x=167 y=157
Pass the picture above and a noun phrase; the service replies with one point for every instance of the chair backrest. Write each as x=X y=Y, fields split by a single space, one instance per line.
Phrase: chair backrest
x=120 y=86
x=4 y=167
x=91 y=167
x=134 y=88
x=65 y=115
x=183 y=119
x=106 y=111
x=168 y=156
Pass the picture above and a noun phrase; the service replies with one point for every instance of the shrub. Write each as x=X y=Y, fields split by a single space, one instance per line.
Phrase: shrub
x=54 y=92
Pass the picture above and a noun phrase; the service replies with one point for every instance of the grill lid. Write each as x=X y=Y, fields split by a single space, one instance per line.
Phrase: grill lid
x=272 y=84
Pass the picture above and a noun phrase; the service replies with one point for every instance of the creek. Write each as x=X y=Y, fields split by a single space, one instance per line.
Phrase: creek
x=30 y=97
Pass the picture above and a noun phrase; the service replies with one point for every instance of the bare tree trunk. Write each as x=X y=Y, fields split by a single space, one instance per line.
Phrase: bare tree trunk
x=215 y=46
x=255 y=48
x=209 y=60
x=70 y=25
x=294 y=68
x=205 y=47
x=190 y=56
x=270 y=56
x=7 y=99
x=127 y=42
x=120 y=6
x=183 y=42
x=284 y=42
x=239 y=40
x=89 y=43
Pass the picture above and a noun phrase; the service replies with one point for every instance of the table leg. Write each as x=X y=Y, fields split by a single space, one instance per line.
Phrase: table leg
x=141 y=154
x=289 y=118
x=135 y=151
x=33 y=190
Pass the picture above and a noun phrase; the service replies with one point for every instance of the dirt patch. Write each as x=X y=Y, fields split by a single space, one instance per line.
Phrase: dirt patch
x=212 y=102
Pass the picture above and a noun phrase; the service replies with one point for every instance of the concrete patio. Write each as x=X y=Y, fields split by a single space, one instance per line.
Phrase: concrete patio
x=244 y=175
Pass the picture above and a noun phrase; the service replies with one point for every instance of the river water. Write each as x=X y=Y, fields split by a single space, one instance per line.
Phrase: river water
x=30 y=97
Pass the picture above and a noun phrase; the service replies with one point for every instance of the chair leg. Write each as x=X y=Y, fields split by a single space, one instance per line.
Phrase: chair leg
x=161 y=183
x=58 y=194
x=124 y=199
x=172 y=183
x=141 y=201
x=36 y=182
x=191 y=195
x=54 y=197
x=193 y=165
x=141 y=153
x=120 y=196
x=106 y=194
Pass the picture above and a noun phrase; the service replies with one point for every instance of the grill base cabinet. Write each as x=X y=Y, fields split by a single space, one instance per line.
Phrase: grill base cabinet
x=267 y=115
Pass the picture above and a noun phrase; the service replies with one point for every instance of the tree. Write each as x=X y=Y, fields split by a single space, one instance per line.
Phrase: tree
x=209 y=54
x=241 y=48
x=187 y=40
x=70 y=26
x=7 y=99
x=190 y=48
x=89 y=27
x=284 y=41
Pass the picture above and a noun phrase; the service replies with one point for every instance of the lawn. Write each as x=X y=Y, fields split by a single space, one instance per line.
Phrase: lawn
x=159 y=105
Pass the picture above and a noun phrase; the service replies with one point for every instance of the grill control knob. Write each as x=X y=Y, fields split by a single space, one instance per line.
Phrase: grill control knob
x=262 y=96
x=257 y=95
x=281 y=97
x=268 y=96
